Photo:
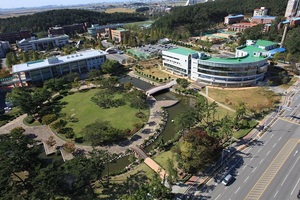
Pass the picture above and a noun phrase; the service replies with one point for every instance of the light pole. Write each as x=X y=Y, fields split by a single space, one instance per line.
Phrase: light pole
x=227 y=150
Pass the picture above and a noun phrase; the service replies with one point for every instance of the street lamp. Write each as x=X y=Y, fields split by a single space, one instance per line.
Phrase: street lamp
x=227 y=150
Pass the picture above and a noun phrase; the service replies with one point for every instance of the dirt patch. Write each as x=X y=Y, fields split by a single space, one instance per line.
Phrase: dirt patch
x=256 y=99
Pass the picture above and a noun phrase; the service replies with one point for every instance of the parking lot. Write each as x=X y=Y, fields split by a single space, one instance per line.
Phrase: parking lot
x=149 y=50
x=117 y=57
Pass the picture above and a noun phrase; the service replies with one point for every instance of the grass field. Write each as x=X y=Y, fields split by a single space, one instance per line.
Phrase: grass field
x=152 y=67
x=79 y=105
x=114 y=10
x=243 y=132
x=257 y=99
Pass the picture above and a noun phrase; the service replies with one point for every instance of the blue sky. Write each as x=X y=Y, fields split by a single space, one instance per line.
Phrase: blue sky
x=34 y=3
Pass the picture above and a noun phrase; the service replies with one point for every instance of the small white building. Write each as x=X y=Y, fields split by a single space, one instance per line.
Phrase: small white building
x=41 y=70
x=4 y=46
x=262 y=11
x=42 y=43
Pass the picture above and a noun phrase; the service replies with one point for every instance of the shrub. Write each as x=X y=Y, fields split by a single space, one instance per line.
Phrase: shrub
x=58 y=124
x=29 y=119
x=70 y=134
x=69 y=147
x=65 y=130
x=48 y=119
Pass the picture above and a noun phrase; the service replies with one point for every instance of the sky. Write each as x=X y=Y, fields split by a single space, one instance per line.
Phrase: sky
x=37 y=3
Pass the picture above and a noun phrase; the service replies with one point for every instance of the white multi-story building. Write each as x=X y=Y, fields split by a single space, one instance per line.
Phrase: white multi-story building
x=42 y=43
x=41 y=70
x=292 y=8
x=4 y=46
x=178 y=60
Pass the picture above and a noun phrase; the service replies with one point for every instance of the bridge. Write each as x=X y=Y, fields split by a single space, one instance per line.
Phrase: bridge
x=160 y=87
x=150 y=162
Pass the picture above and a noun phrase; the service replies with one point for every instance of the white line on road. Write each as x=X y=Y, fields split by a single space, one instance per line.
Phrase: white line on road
x=259 y=150
x=244 y=167
x=261 y=161
x=295 y=153
x=275 y=194
x=246 y=179
x=295 y=187
x=272 y=135
x=279 y=138
x=268 y=152
x=237 y=190
x=252 y=158
x=217 y=196
x=254 y=169
x=274 y=145
x=290 y=171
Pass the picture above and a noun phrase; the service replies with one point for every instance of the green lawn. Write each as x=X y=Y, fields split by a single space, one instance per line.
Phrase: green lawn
x=79 y=105
x=243 y=132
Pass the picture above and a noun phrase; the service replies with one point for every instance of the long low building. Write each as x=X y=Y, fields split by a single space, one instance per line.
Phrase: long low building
x=41 y=70
x=43 y=43
x=247 y=68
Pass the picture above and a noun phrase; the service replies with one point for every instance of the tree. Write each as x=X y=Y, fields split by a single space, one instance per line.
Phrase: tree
x=185 y=120
x=137 y=99
x=110 y=66
x=101 y=132
x=18 y=154
x=197 y=150
x=172 y=171
x=182 y=82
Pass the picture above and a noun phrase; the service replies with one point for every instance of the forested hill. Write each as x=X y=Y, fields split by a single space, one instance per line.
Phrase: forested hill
x=194 y=19
x=41 y=21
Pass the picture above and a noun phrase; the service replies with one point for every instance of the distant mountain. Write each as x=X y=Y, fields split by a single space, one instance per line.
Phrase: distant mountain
x=43 y=20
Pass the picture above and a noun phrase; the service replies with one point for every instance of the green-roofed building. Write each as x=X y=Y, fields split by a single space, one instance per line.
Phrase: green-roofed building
x=247 y=68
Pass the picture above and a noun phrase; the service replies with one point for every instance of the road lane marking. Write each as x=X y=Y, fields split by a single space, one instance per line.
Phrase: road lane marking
x=272 y=135
x=290 y=171
x=274 y=145
x=276 y=194
x=295 y=153
x=246 y=179
x=279 y=139
x=261 y=161
x=218 y=196
x=244 y=167
x=259 y=150
x=254 y=169
x=252 y=158
x=237 y=190
x=263 y=182
x=295 y=187
x=268 y=152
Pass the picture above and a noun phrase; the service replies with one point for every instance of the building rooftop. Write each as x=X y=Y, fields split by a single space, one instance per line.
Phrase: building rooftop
x=265 y=43
x=81 y=55
x=43 y=39
x=235 y=16
x=235 y=60
x=182 y=51
x=264 y=17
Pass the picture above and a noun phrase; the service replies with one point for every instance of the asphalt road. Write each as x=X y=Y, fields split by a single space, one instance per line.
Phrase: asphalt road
x=269 y=168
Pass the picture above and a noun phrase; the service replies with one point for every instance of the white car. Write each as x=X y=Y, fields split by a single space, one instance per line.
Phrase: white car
x=227 y=179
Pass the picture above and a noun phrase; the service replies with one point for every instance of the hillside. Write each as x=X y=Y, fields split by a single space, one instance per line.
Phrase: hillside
x=194 y=19
x=43 y=20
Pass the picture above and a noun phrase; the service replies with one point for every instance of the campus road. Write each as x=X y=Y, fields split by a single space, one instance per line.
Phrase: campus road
x=269 y=168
